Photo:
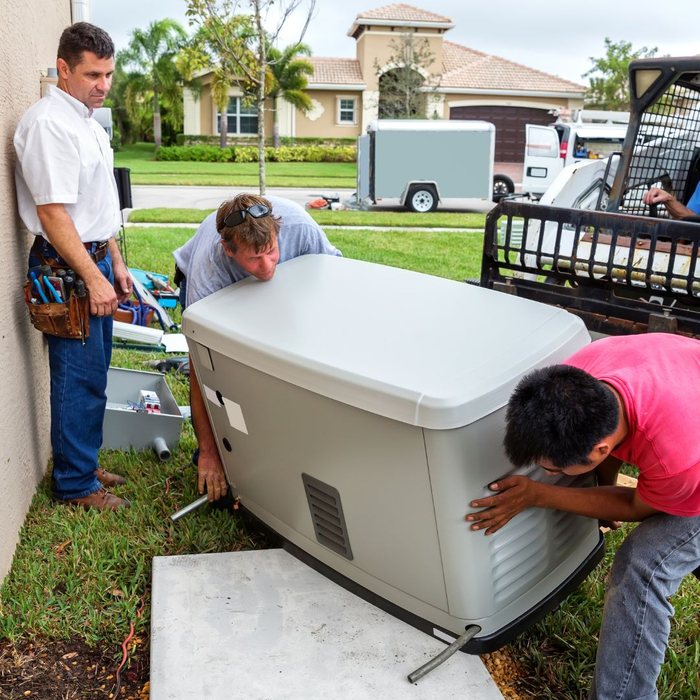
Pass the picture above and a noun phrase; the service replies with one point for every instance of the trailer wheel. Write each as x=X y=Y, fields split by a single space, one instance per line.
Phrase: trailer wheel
x=422 y=199
x=502 y=187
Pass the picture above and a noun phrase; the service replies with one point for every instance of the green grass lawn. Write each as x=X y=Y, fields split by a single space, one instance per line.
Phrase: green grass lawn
x=326 y=217
x=145 y=170
x=84 y=575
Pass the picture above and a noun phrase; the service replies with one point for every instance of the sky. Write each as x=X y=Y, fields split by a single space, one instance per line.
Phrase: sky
x=555 y=36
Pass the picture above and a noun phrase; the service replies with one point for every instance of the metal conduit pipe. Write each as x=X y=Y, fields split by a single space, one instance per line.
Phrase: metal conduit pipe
x=444 y=654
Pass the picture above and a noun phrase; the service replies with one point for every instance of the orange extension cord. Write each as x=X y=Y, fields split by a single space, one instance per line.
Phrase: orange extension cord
x=125 y=643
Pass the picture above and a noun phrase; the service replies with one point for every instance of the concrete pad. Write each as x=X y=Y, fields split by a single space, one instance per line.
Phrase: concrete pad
x=262 y=625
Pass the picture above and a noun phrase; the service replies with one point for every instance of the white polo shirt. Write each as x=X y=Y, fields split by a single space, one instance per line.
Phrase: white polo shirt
x=64 y=157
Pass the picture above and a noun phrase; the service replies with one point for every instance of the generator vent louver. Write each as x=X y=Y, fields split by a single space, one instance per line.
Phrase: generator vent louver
x=327 y=516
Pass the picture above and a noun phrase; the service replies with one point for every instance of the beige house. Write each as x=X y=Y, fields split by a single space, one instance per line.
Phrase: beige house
x=24 y=410
x=464 y=84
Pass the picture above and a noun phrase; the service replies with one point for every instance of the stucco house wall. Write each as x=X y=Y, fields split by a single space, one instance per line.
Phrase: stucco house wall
x=376 y=47
x=322 y=121
x=25 y=53
x=201 y=113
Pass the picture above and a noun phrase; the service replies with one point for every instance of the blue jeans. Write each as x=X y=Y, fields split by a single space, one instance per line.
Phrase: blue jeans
x=78 y=398
x=648 y=568
x=182 y=295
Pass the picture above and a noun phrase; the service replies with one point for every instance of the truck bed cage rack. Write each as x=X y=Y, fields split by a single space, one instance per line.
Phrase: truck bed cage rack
x=580 y=260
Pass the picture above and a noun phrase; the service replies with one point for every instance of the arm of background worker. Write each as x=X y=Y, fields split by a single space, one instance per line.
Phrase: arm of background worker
x=123 y=284
x=606 y=473
x=673 y=206
x=209 y=468
x=62 y=235
x=516 y=493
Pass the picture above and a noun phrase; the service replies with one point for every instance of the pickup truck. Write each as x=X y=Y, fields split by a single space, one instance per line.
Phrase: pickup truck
x=591 y=245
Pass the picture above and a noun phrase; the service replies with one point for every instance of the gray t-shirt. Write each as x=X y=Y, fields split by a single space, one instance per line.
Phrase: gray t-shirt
x=208 y=269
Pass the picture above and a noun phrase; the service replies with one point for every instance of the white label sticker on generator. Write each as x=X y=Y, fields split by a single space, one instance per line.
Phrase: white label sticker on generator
x=204 y=356
x=211 y=395
x=443 y=636
x=235 y=415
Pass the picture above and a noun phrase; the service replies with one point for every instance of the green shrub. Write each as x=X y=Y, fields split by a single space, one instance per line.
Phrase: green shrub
x=317 y=141
x=249 y=154
x=341 y=154
x=245 y=154
x=116 y=141
x=202 y=154
x=234 y=141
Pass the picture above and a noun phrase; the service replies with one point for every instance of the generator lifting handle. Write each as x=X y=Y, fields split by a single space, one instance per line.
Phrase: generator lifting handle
x=445 y=654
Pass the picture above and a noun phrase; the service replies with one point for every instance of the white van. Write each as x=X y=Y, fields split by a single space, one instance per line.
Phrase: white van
x=591 y=135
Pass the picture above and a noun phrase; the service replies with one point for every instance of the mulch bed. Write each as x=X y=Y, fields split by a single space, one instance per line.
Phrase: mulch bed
x=67 y=670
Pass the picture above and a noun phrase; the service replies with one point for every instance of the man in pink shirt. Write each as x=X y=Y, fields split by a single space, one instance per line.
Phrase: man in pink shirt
x=632 y=399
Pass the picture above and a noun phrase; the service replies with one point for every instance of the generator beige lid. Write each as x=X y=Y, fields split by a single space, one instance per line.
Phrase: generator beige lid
x=415 y=348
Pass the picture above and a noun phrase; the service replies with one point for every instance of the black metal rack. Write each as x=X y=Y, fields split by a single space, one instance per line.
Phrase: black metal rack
x=620 y=273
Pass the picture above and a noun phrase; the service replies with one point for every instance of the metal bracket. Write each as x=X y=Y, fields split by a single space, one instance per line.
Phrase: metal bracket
x=662 y=323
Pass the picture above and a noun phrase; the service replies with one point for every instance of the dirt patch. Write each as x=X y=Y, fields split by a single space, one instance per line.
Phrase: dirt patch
x=506 y=672
x=67 y=670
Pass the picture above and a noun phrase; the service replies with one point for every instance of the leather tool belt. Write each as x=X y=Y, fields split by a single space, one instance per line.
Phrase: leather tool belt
x=55 y=307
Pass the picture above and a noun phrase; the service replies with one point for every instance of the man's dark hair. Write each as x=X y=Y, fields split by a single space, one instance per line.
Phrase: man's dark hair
x=558 y=413
x=80 y=37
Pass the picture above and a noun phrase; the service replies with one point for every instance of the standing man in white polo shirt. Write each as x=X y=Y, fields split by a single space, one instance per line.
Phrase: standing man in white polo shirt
x=68 y=199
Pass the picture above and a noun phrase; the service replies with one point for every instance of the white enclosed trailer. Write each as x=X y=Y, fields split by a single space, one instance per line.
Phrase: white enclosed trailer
x=358 y=410
x=422 y=162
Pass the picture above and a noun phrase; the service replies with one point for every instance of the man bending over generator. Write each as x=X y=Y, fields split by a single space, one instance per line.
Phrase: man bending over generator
x=632 y=399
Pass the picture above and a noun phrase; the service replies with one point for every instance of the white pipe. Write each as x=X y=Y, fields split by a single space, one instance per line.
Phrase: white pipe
x=161 y=449
x=81 y=10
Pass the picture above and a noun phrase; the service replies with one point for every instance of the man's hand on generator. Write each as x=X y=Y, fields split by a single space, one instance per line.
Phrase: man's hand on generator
x=516 y=493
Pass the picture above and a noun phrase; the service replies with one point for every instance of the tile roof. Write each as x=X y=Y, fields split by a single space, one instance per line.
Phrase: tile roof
x=335 y=71
x=402 y=13
x=467 y=68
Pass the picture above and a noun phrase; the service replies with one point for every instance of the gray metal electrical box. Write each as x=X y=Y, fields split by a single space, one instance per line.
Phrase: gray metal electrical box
x=127 y=426
x=359 y=409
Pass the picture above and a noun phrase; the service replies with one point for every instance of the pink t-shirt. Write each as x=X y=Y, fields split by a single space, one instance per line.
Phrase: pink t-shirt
x=658 y=377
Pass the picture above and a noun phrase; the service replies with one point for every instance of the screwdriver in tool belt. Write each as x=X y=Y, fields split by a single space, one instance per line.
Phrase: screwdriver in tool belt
x=80 y=293
x=68 y=281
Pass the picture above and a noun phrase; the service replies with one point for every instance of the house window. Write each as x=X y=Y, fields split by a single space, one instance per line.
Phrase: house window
x=346 y=110
x=241 y=118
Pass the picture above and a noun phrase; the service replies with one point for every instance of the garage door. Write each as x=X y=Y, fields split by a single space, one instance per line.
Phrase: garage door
x=510 y=127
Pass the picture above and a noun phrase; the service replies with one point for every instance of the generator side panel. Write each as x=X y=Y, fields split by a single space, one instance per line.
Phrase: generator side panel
x=493 y=580
x=460 y=162
x=291 y=454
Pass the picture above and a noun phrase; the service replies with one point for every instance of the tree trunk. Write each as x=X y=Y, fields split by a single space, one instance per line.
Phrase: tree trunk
x=223 y=127
x=157 y=134
x=262 y=64
x=275 y=124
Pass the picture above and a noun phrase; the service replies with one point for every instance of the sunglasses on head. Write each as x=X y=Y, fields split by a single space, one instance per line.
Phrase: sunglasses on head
x=257 y=211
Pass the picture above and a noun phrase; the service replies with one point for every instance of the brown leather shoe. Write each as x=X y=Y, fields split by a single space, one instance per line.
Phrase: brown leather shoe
x=108 y=479
x=100 y=500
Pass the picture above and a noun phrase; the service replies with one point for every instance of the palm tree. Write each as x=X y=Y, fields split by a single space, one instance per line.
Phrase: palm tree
x=151 y=55
x=220 y=88
x=289 y=81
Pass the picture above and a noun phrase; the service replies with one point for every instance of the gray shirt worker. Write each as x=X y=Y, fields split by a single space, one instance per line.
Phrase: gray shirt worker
x=208 y=269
